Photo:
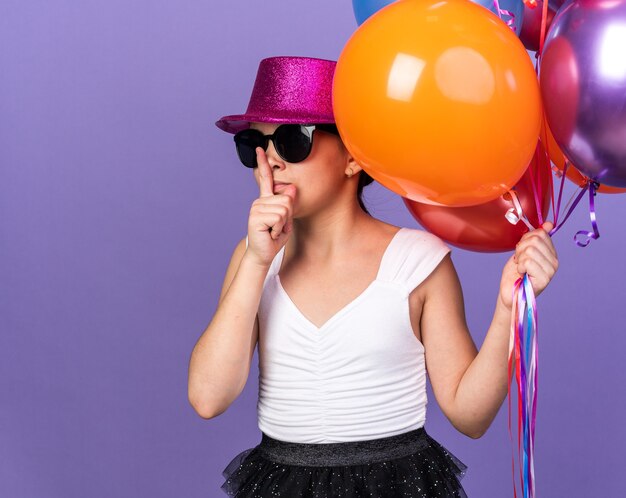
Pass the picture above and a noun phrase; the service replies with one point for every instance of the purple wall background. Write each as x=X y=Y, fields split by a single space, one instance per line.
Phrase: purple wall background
x=120 y=204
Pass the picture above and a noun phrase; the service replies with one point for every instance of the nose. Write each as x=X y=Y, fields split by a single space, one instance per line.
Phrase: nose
x=273 y=158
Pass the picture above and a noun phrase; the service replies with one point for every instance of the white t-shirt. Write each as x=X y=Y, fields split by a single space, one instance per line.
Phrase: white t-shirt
x=362 y=374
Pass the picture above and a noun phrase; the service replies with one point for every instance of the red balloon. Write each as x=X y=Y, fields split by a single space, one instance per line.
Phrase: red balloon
x=484 y=228
x=531 y=25
x=560 y=89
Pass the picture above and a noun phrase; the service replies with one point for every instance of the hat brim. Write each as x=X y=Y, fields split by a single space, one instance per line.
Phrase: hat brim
x=237 y=122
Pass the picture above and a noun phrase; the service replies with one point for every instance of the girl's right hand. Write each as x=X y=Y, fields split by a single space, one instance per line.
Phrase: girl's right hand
x=271 y=215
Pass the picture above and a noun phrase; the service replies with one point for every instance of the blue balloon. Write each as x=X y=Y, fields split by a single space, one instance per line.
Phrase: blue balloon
x=365 y=8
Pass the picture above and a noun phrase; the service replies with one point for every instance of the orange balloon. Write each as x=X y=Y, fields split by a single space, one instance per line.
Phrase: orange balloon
x=572 y=174
x=438 y=101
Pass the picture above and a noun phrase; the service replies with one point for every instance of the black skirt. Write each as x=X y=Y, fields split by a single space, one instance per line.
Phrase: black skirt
x=411 y=464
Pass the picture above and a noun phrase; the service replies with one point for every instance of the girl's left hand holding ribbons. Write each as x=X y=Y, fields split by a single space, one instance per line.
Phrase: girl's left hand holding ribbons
x=534 y=254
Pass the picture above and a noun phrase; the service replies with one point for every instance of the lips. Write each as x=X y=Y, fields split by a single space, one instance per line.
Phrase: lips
x=279 y=187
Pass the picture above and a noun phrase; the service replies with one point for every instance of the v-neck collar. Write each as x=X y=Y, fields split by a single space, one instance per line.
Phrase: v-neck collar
x=333 y=318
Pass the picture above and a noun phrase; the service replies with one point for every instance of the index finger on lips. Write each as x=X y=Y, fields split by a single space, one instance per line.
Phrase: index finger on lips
x=266 y=179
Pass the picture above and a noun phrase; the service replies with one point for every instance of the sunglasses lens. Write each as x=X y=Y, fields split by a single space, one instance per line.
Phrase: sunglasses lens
x=293 y=142
x=246 y=142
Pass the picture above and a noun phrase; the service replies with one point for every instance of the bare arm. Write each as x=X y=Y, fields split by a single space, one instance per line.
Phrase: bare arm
x=470 y=385
x=449 y=348
x=220 y=360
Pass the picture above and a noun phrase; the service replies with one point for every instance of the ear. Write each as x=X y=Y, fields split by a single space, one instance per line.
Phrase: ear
x=351 y=164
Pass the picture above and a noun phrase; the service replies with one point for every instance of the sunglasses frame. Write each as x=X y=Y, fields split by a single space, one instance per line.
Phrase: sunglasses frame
x=327 y=127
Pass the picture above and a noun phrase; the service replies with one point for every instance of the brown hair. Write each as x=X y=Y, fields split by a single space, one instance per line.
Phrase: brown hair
x=364 y=180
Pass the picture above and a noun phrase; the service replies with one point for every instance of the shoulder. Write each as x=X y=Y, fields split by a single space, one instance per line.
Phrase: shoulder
x=413 y=256
x=431 y=261
x=416 y=237
x=382 y=229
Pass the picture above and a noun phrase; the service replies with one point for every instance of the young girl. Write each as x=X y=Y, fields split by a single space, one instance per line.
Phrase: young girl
x=348 y=311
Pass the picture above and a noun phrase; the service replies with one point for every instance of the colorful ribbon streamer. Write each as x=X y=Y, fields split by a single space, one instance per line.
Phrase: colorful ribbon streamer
x=523 y=356
x=524 y=361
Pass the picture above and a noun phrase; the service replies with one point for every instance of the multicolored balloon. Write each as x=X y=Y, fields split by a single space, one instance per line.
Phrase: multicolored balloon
x=438 y=101
x=583 y=85
x=484 y=228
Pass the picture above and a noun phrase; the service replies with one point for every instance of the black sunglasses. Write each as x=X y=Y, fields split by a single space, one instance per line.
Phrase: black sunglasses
x=293 y=142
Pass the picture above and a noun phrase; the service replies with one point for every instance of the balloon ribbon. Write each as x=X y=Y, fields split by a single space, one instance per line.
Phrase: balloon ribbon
x=510 y=22
x=524 y=360
x=591 y=187
x=515 y=214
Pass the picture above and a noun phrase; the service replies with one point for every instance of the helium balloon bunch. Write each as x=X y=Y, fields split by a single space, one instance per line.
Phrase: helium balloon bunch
x=439 y=101
x=457 y=112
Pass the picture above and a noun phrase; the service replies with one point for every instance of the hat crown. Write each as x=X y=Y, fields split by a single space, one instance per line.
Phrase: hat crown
x=288 y=90
x=295 y=85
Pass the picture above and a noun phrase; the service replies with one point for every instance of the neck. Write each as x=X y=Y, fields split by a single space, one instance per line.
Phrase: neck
x=325 y=234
